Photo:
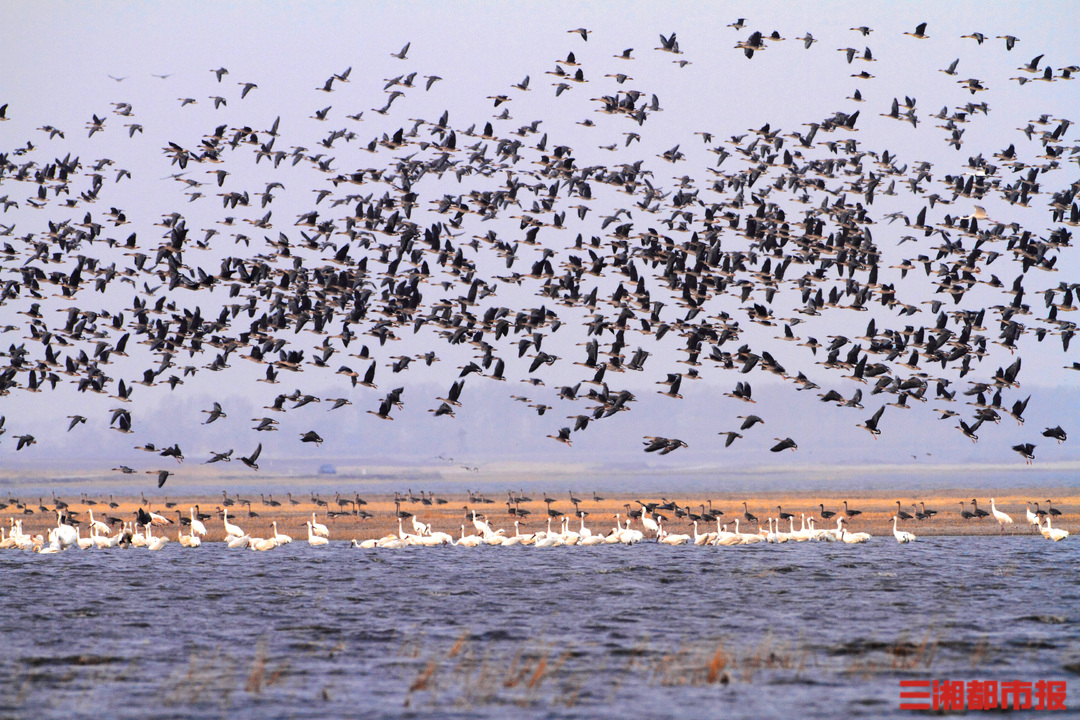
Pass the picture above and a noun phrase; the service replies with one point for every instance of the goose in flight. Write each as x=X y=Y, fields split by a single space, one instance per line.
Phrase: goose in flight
x=871 y=424
x=920 y=32
x=784 y=444
x=214 y=413
x=251 y=460
x=1026 y=450
x=563 y=436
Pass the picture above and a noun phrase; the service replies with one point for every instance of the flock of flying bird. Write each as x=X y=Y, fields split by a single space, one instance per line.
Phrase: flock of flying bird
x=725 y=268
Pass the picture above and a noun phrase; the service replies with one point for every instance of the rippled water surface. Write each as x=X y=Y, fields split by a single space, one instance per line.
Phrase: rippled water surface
x=799 y=629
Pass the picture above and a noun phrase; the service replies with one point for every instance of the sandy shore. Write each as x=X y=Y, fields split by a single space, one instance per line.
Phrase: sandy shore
x=448 y=513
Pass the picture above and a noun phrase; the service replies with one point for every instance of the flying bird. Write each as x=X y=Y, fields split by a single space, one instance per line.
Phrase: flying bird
x=251 y=460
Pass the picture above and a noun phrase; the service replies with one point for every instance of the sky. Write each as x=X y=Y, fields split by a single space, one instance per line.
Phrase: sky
x=65 y=63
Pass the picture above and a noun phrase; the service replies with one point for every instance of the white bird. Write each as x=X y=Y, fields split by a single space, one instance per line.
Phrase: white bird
x=407 y=538
x=1032 y=517
x=613 y=537
x=1001 y=517
x=280 y=538
x=104 y=541
x=669 y=539
x=318 y=528
x=526 y=539
x=155 y=543
x=591 y=540
x=722 y=536
x=231 y=531
x=314 y=539
x=702 y=539
x=419 y=527
x=630 y=536
x=568 y=536
x=241 y=541
x=197 y=527
x=816 y=534
x=747 y=538
x=159 y=519
x=1052 y=533
x=263 y=544
x=66 y=536
x=549 y=540
x=803 y=533
x=390 y=542
x=483 y=528
x=97 y=525
x=851 y=538
x=49 y=549
x=441 y=538
x=469 y=540
x=514 y=539
x=902 y=536
x=84 y=543
x=648 y=523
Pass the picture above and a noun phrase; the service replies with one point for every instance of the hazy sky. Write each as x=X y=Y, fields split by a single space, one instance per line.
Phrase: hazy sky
x=64 y=63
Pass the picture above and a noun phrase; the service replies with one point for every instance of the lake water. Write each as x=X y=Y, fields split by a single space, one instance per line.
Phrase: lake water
x=763 y=631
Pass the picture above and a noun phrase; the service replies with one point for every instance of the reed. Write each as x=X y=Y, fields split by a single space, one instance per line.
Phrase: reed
x=714 y=671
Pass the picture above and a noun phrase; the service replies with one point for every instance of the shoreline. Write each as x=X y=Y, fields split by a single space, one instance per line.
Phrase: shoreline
x=447 y=513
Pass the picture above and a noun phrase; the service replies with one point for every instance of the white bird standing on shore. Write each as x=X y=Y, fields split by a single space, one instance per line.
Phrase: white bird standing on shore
x=1032 y=517
x=1001 y=517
